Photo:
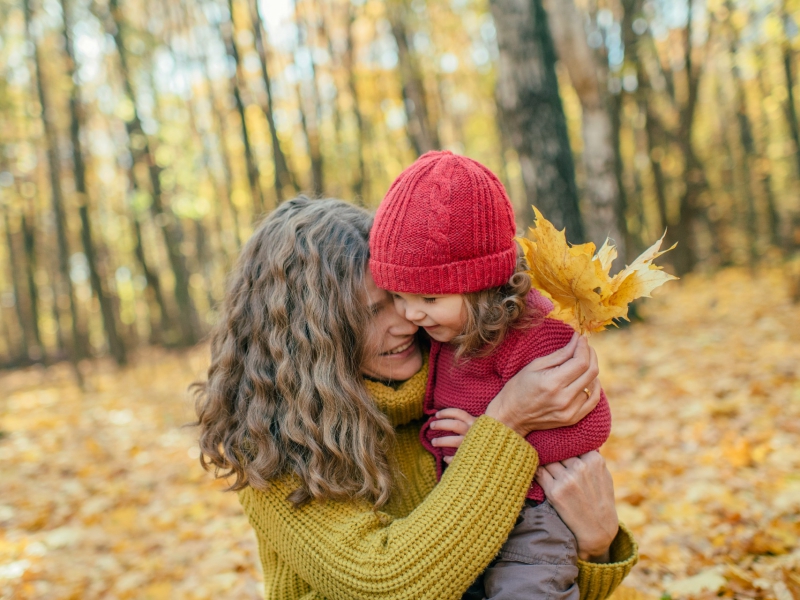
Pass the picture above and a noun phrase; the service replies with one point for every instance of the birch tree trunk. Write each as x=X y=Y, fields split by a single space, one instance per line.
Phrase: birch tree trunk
x=603 y=209
x=169 y=225
x=422 y=134
x=115 y=344
x=788 y=73
x=283 y=175
x=16 y=276
x=533 y=116
x=77 y=349
x=361 y=182
x=308 y=99
x=228 y=32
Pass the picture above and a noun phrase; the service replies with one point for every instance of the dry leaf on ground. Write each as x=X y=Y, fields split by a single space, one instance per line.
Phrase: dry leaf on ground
x=103 y=497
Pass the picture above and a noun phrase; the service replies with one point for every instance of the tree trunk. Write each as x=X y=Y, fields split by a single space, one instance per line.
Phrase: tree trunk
x=225 y=213
x=311 y=116
x=788 y=72
x=530 y=106
x=727 y=175
x=221 y=131
x=764 y=169
x=603 y=208
x=685 y=255
x=746 y=140
x=228 y=30
x=283 y=175
x=29 y=244
x=334 y=68
x=77 y=350
x=153 y=291
x=167 y=222
x=360 y=182
x=16 y=276
x=422 y=134
x=116 y=345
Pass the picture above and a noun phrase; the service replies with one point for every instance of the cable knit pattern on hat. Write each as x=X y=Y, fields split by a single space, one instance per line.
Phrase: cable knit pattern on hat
x=430 y=541
x=470 y=385
x=445 y=226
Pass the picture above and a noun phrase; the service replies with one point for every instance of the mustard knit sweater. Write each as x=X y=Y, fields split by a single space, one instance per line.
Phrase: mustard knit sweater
x=429 y=541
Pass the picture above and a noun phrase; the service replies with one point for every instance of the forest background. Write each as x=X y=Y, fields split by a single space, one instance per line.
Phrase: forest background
x=142 y=141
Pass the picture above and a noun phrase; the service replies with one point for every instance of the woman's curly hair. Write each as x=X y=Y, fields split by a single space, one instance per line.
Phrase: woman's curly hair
x=491 y=313
x=284 y=393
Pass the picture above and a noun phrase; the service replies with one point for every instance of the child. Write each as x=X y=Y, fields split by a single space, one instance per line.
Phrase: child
x=443 y=244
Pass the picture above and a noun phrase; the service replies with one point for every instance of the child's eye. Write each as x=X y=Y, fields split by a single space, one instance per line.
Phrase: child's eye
x=429 y=300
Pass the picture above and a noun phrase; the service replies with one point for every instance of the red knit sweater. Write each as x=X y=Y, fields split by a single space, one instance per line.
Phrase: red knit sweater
x=472 y=383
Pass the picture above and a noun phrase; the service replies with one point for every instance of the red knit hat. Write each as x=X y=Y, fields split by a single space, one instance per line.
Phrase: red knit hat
x=446 y=226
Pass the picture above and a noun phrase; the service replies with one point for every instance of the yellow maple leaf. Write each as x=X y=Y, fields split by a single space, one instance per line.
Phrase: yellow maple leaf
x=577 y=279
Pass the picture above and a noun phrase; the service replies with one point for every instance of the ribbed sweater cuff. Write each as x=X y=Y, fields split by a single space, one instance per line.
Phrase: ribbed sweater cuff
x=524 y=453
x=598 y=581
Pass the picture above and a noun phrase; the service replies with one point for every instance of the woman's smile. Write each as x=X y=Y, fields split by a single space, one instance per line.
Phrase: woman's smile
x=401 y=351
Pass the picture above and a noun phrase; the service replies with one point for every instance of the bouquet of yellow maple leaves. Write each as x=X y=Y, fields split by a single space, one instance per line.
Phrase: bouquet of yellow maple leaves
x=577 y=279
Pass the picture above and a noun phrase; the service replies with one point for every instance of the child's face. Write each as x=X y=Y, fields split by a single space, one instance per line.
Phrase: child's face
x=442 y=315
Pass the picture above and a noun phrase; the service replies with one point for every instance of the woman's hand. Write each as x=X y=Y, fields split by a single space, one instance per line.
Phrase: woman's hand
x=456 y=421
x=582 y=492
x=549 y=392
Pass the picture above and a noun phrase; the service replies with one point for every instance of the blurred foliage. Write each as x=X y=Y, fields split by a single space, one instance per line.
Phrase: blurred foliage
x=163 y=93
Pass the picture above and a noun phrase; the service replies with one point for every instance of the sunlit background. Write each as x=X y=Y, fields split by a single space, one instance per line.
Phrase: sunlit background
x=141 y=141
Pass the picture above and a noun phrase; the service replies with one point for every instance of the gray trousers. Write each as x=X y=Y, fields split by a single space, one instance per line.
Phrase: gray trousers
x=538 y=561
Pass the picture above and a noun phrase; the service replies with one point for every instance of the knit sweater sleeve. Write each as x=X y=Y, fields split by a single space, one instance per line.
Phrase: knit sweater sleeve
x=345 y=550
x=596 y=581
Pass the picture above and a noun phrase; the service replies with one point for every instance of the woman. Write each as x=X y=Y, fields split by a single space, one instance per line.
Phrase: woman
x=313 y=406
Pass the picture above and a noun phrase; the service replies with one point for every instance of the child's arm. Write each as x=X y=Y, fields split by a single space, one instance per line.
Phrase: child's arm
x=584 y=436
x=564 y=442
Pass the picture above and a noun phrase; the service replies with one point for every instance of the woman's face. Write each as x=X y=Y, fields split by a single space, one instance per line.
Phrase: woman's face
x=393 y=353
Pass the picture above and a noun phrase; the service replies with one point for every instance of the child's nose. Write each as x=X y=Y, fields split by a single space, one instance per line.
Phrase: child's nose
x=414 y=314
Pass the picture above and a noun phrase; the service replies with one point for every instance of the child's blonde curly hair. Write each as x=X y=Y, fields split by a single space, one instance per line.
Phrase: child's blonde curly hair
x=492 y=312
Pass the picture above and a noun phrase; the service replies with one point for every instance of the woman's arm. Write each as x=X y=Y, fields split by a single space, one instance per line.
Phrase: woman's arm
x=561 y=377
x=582 y=492
x=345 y=550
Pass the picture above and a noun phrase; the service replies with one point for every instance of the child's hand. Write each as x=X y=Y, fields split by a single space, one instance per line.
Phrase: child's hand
x=455 y=420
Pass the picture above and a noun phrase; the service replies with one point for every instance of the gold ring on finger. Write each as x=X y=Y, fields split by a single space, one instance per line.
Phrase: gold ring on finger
x=588 y=393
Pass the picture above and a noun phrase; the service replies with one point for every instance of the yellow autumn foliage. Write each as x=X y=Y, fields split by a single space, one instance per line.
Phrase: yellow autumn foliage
x=103 y=496
x=577 y=279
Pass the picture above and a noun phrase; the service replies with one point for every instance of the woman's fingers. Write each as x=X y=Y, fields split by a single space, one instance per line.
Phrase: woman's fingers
x=557 y=358
x=555 y=470
x=582 y=366
x=576 y=365
x=544 y=478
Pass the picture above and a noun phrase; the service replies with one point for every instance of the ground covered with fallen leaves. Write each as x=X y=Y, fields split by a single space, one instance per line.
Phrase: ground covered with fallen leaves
x=103 y=497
